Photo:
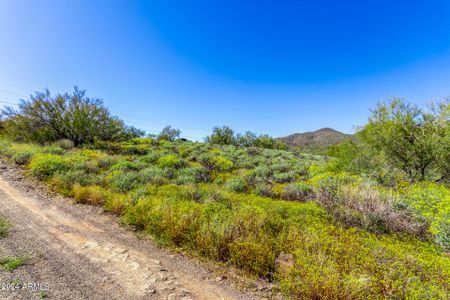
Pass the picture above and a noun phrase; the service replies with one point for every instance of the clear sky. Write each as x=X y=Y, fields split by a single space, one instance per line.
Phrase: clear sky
x=273 y=67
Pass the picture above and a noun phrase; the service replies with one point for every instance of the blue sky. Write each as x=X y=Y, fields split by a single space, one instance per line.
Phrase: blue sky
x=273 y=67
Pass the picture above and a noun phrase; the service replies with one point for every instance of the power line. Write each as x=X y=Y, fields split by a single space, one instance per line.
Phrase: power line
x=14 y=93
x=16 y=86
x=8 y=102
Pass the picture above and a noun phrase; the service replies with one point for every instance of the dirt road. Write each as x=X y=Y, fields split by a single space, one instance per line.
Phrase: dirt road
x=80 y=252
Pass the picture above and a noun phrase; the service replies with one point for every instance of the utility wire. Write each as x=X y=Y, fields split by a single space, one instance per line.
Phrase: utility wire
x=16 y=86
x=8 y=102
x=14 y=93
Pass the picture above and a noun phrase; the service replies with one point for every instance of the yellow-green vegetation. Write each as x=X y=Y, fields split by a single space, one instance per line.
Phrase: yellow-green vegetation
x=369 y=221
x=349 y=236
x=9 y=263
x=4 y=227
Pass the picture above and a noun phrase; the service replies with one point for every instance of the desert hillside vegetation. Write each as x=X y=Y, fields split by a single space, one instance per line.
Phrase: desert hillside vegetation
x=368 y=220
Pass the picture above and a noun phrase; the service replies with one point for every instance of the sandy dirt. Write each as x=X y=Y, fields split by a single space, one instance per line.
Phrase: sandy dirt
x=81 y=252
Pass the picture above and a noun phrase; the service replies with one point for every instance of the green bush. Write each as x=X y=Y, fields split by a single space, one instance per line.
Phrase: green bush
x=89 y=194
x=284 y=177
x=53 y=149
x=430 y=202
x=170 y=161
x=263 y=190
x=253 y=256
x=67 y=178
x=124 y=182
x=297 y=191
x=218 y=163
x=64 y=144
x=22 y=158
x=328 y=183
x=191 y=175
x=152 y=175
x=45 y=165
x=235 y=184
x=151 y=157
x=122 y=165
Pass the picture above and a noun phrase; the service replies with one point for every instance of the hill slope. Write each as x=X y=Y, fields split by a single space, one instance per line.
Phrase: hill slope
x=321 y=137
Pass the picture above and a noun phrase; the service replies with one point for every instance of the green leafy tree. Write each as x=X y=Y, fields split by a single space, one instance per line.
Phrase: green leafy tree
x=222 y=135
x=413 y=140
x=170 y=134
x=268 y=142
x=247 y=139
x=46 y=118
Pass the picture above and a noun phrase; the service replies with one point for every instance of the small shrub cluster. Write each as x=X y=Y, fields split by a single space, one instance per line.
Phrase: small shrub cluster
x=89 y=194
x=4 y=227
x=22 y=158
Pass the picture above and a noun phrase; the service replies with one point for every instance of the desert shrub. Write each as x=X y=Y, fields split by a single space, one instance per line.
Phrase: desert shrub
x=297 y=191
x=116 y=202
x=170 y=161
x=105 y=162
x=253 y=151
x=88 y=194
x=54 y=149
x=191 y=175
x=124 y=182
x=79 y=176
x=235 y=184
x=252 y=256
x=218 y=163
x=5 y=146
x=263 y=190
x=122 y=165
x=364 y=206
x=91 y=166
x=262 y=171
x=107 y=146
x=190 y=192
x=142 y=141
x=22 y=158
x=134 y=149
x=430 y=202
x=64 y=144
x=283 y=177
x=440 y=228
x=45 y=165
x=327 y=184
x=280 y=166
x=151 y=157
x=152 y=175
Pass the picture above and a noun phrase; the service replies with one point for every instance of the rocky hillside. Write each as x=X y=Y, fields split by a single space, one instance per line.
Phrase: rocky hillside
x=321 y=137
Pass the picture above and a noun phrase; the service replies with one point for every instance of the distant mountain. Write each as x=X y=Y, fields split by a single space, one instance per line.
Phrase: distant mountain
x=321 y=137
